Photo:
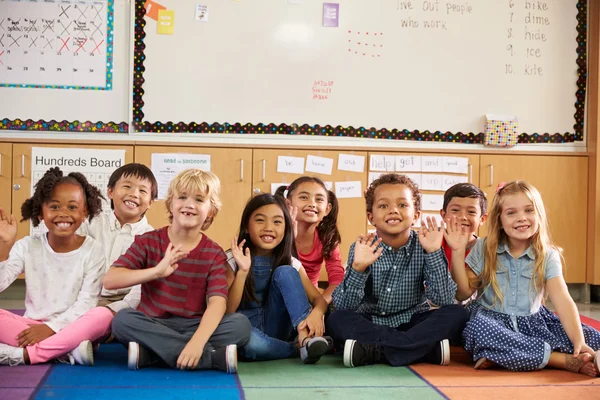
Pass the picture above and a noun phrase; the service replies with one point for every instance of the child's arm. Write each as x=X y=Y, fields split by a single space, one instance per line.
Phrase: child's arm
x=119 y=277
x=457 y=239
x=13 y=265
x=190 y=356
x=314 y=322
x=8 y=234
x=335 y=273
x=131 y=300
x=237 y=280
x=350 y=293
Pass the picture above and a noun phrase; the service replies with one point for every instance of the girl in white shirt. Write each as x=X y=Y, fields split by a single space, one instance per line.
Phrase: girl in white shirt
x=63 y=272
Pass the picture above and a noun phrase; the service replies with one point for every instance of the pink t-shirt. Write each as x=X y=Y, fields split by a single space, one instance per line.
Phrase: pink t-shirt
x=312 y=263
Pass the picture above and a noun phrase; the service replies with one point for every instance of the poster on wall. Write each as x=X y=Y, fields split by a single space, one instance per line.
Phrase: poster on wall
x=62 y=44
x=96 y=164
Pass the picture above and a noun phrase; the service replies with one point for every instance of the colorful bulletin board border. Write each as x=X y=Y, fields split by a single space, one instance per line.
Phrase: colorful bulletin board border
x=317 y=130
x=110 y=30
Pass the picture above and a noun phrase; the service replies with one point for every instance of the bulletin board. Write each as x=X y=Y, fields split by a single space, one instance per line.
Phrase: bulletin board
x=410 y=70
x=64 y=65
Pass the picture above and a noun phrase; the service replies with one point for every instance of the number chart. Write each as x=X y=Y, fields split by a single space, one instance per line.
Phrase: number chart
x=62 y=44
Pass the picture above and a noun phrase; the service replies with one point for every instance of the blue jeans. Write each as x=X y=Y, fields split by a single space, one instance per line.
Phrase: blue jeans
x=274 y=323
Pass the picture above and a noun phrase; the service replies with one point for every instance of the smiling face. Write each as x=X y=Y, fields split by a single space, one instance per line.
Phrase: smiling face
x=312 y=202
x=266 y=228
x=467 y=210
x=519 y=219
x=190 y=210
x=65 y=211
x=393 y=211
x=131 y=197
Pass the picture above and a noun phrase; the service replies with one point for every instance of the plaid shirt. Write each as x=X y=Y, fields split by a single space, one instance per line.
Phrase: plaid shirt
x=391 y=290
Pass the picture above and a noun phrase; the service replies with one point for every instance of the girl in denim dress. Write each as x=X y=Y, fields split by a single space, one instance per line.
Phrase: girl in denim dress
x=271 y=287
x=513 y=271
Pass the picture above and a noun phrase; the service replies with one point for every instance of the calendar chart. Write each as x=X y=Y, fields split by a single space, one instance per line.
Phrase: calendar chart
x=63 y=44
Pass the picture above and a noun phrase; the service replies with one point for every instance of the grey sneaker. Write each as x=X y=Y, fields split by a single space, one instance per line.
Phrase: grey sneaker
x=357 y=354
x=313 y=349
x=10 y=355
x=82 y=354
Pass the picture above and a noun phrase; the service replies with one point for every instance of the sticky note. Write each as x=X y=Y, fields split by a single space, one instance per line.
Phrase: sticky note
x=152 y=9
x=166 y=22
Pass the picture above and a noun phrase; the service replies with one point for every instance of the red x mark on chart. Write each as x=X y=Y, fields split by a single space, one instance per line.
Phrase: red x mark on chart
x=64 y=42
x=80 y=46
x=96 y=48
x=1 y=55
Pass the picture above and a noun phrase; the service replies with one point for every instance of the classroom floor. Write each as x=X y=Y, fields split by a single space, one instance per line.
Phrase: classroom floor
x=289 y=379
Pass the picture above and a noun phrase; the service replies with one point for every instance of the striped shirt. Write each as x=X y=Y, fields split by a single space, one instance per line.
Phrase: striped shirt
x=199 y=276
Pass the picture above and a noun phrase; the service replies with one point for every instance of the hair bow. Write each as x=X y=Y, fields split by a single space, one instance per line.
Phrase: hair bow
x=500 y=187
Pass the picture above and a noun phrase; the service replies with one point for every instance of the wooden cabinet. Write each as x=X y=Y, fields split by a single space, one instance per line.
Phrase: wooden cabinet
x=352 y=217
x=562 y=182
x=21 y=174
x=6 y=177
x=234 y=169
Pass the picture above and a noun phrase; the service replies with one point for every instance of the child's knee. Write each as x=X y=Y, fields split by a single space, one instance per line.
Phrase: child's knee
x=241 y=328
x=284 y=271
x=122 y=320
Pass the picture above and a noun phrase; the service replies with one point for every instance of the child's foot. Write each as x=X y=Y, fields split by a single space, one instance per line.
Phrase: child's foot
x=484 y=363
x=225 y=359
x=584 y=364
x=10 y=355
x=356 y=354
x=82 y=354
x=312 y=349
x=139 y=357
x=440 y=355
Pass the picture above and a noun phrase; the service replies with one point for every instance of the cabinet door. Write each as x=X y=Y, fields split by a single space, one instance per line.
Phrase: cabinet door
x=233 y=167
x=22 y=178
x=6 y=177
x=562 y=182
x=352 y=216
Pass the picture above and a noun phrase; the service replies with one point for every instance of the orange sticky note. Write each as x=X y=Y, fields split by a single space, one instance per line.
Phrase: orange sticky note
x=152 y=9
x=166 y=22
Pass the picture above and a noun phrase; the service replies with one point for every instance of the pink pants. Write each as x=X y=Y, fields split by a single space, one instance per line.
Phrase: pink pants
x=93 y=325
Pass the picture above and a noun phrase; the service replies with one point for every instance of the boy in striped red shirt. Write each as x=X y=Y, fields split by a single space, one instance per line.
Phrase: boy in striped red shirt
x=180 y=320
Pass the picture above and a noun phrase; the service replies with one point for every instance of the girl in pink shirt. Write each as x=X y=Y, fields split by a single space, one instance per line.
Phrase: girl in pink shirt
x=317 y=235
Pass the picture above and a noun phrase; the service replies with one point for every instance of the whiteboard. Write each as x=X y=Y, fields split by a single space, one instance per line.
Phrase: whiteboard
x=390 y=64
x=65 y=105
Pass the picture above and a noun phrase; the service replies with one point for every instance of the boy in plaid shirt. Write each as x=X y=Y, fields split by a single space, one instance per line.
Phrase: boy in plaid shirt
x=381 y=308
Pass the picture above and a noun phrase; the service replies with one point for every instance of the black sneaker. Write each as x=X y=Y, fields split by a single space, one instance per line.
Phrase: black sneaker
x=140 y=357
x=440 y=355
x=314 y=348
x=356 y=354
x=225 y=359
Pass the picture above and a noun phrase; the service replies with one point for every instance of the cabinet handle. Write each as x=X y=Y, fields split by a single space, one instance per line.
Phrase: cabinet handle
x=470 y=173
x=22 y=165
x=242 y=170
x=256 y=191
x=491 y=174
x=264 y=170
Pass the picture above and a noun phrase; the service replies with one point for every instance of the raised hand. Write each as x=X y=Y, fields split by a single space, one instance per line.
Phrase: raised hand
x=366 y=252
x=168 y=264
x=431 y=235
x=8 y=228
x=242 y=259
x=456 y=236
x=293 y=215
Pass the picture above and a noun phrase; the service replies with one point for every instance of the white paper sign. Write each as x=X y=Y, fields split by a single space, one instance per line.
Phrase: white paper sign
x=166 y=165
x=459 y=165
x=382 y=163
x=347 y=190
x=431 y=164
x=292 y=165
x=451 y=180
x=432 y=202
x=201 y=13
x=275 y=186
x=320 y=165
x=374 y=175
x=432 y=182
x=97 y=166
x=408 y=163
x=349 y=162
x=416 y=178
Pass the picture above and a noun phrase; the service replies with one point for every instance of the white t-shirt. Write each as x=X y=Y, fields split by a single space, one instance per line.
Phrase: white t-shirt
x=115 y=240
x=60 y=287
x=231 y=261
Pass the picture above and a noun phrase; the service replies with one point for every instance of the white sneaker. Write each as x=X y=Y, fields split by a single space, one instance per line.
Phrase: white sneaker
x=10 y=355
x=82 y=354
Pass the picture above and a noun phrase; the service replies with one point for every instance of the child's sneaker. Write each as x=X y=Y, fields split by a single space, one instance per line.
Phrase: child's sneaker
x=313 y=349
x=225 y=359
x=356 y=354
x=440 y=355
x=82 y=354
x=10 y=355
x=139 y=357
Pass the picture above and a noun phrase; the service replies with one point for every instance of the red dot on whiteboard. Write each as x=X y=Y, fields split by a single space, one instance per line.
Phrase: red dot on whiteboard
x=375 y=33
x=367 y=33
x=381 y=33
x=373 y=45
x=349 y=50
x=378 y=55
x=358 y=42
x=356 y=52
x=358 y=33
x=380 y=45
x=349 y=31
x=349 y=41
x=364 y=54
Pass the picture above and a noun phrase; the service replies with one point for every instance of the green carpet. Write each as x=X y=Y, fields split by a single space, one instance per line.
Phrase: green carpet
x=290 y=379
